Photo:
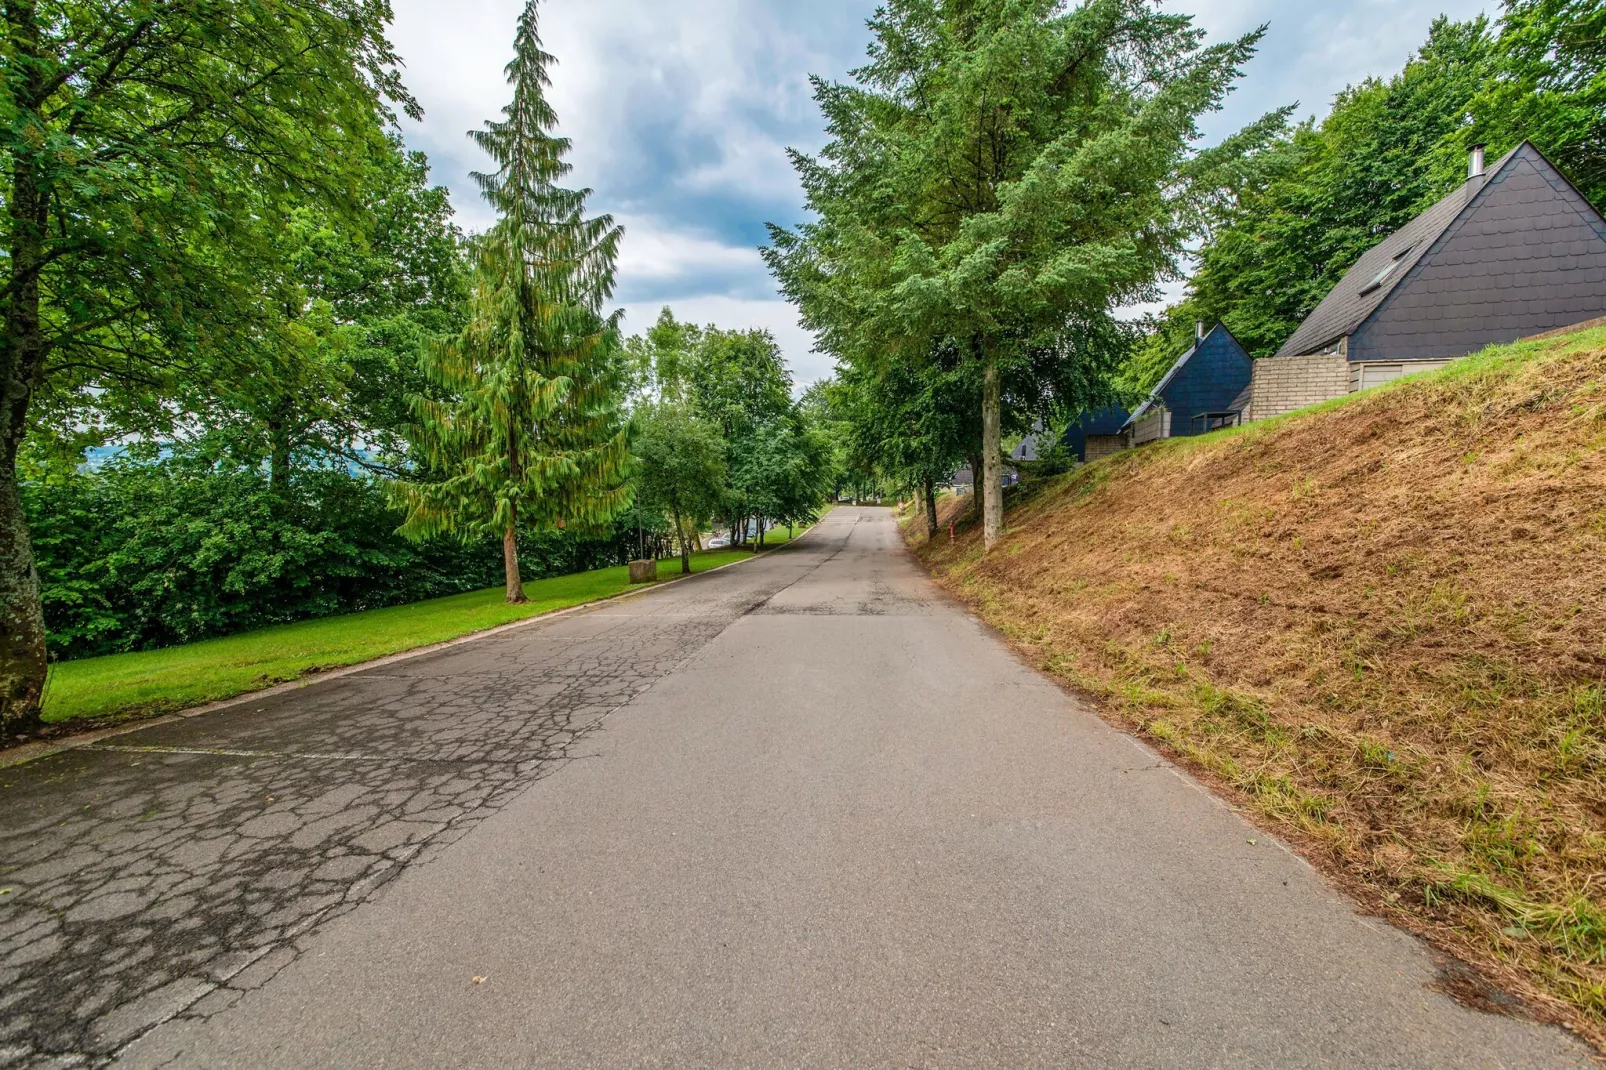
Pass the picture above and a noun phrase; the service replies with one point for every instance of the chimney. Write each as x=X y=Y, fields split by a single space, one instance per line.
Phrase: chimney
x=1198 y=330
x=1475 y=164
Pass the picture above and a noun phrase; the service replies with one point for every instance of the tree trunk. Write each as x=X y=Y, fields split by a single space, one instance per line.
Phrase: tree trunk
x=929 y=491
x=685 y=547
x=22 y=361
x=510 y=565
x=761 y=533
x=992 y=515
x=279 y=457
x=22 y=622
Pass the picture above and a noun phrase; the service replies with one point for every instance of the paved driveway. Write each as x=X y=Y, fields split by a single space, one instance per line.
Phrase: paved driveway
x=803 y=812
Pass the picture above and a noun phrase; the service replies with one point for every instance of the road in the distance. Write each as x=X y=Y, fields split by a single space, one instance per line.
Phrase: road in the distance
x=800 y=813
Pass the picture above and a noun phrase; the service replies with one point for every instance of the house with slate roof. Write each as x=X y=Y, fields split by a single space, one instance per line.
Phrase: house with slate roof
x=1097 y=433
x=1207 y=388
x=1515 y=251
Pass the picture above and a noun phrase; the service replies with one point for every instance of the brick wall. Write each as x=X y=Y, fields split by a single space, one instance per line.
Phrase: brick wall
x=1283 y=384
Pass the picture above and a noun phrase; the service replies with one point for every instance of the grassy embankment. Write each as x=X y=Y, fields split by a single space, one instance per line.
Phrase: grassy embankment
x=1379 y=626
x=158 y=681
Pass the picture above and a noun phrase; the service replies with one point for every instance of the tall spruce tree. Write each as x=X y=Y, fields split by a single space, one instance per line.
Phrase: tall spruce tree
x=1001 y=177
x=530 y=430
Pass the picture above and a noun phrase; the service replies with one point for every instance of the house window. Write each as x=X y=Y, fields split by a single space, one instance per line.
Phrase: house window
x=1206 y=422
x=1388 y=269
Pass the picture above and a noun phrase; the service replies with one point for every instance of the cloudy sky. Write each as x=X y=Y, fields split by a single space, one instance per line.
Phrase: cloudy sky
x=680 y=114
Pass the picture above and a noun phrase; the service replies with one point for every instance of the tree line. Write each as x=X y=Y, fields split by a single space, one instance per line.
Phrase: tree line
x=252 y=372
x=1002 y=179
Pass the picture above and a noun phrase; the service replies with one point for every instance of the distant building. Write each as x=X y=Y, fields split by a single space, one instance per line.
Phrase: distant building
x=1026 y=451
x=1206 y=389
x=1515 y=251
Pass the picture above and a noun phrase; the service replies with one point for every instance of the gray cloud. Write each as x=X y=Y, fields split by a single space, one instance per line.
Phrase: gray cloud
x=680 y=113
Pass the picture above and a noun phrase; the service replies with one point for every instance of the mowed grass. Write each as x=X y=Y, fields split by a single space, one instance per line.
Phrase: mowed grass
x=1379 y=624
x=157 y=681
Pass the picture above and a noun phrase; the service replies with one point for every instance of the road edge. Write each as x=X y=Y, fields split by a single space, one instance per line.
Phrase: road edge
x=31 y=752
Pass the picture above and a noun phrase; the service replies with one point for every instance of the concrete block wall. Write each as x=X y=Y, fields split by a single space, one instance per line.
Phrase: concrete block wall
x=1104 y=446
x=1152 y=428
x=1283 y=384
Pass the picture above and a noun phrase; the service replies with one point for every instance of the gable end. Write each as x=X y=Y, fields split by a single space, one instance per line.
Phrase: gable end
x=1527 y=255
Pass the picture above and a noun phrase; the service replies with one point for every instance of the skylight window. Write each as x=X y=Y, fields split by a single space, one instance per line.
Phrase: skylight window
x=1388 y=269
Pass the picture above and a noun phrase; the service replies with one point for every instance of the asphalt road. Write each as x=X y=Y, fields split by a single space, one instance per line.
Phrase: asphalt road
x=803 y=812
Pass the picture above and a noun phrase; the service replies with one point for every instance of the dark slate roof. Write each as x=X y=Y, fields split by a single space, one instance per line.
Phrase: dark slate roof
x=1165 y=380
x=1528 y=257
x=1159 y=388
x=1106 y=421
x=1346 y=307
x=1103 y=421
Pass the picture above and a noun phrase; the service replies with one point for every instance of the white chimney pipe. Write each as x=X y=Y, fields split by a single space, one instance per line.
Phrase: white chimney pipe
x=1198 y=329
x=1475 y=165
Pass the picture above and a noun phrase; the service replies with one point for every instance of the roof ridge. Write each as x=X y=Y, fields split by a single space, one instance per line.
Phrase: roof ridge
x=1165 y=380
x=1316 y=332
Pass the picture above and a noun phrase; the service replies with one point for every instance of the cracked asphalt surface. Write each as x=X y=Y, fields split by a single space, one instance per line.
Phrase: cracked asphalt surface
x=804 y=812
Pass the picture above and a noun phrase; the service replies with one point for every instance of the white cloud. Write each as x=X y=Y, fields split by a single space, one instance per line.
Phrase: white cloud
x=679 y=115
x=1312 y=50
x=653 y=253
x=680 y=112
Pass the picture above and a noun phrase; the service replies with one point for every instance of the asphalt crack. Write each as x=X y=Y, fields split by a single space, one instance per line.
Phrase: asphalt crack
x=164 y=875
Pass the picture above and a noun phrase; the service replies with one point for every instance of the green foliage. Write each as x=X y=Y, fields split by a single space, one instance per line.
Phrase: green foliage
x=1000 y=178
x=739 y=380
x=141 y=555
x=916 y=425
x=528 y=426
x=350 y=312
x=682 y=469
x=1549 y=88
x=154 y=156
x=782 y=471
x=137 y=555
x=172 y=147
x=1314 y=201
x=826 y=408
x=1323 y=196
x=660 y=361
x=721 y=437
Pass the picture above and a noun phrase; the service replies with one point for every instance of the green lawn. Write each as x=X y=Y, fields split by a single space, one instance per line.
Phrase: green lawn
x=781 y=536
x=177 y=677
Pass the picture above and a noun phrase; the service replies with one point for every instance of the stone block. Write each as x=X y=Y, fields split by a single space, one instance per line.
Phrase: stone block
x=643 y=572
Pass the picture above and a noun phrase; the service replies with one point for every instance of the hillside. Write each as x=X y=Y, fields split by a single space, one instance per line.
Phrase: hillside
x=1379 y=626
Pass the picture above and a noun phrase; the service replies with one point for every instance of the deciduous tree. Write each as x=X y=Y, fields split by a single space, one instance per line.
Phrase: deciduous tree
x=682 y=468
x=142 y=144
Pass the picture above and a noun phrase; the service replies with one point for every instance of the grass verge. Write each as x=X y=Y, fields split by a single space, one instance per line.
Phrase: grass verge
x=1379 y=626
x=160 y=681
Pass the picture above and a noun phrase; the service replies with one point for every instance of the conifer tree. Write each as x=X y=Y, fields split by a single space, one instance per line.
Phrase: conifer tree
x=530 y=431
x=1001 y=177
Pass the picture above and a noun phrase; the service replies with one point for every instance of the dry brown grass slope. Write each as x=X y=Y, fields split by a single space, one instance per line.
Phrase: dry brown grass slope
x=1380 y=625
